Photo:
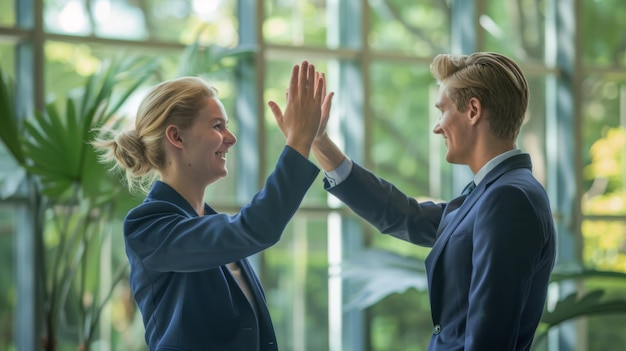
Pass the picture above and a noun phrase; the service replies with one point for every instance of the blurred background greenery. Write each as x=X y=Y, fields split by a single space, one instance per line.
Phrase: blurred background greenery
x=376 y=54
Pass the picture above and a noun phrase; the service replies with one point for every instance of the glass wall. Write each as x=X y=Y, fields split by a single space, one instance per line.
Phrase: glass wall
x=7 y=17
x=8 y=293
x=603 y=154
x=376 y=55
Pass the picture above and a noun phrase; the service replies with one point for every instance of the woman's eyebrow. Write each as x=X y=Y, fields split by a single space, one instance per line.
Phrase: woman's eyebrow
x=220 y=119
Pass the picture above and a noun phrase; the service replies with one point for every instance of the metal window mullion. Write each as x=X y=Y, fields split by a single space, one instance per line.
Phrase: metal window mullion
x=463 y=40
x=347 y=30
x=29 y=95
x=563 y=162
x=248 y=109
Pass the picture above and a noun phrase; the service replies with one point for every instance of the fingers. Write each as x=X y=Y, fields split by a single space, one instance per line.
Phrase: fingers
x=303 y=81
x=324 y=85
x=320 y=88
x=292 y=91
x=278 y=113
x=328 y=101
x=310 y=80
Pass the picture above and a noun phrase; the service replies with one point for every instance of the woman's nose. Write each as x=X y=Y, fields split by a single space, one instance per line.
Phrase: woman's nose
x=230 y=138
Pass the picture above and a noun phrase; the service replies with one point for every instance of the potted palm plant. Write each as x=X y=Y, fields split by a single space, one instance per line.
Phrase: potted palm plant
x=75 y=198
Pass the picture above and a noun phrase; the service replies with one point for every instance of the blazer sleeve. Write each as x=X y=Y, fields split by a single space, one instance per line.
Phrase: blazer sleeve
x=166 y=238
x=509 y=242
x=387 y=208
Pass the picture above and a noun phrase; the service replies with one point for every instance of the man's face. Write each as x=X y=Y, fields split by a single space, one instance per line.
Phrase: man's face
x=454 y=127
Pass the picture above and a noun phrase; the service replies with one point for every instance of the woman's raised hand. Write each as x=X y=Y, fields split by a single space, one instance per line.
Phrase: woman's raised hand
x=301 y=119
x=326 y=104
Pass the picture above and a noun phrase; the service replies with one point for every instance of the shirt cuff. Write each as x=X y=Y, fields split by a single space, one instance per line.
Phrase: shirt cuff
x=339 y=174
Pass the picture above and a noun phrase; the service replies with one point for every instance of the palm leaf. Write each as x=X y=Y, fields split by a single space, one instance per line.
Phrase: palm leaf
x=10 y=131
x=54 y=149
x=588 y=304
x=591 y=303
x=576 y=304
x=376 y=274
x=13 y=175
x=58 y=142
x=562 y=273
x=134 y=73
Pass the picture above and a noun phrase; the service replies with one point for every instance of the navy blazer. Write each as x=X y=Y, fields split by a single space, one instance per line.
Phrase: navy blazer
x=188 y=298
x=489 y=267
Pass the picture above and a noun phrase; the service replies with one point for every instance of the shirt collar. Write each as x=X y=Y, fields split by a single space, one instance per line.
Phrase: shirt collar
x=480 y=175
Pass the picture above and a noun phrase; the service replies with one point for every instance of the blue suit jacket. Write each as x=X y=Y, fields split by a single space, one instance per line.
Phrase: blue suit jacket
x=188 y=298
x=491 y=259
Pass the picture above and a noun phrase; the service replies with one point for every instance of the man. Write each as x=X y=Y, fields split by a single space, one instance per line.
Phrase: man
x=493 y=248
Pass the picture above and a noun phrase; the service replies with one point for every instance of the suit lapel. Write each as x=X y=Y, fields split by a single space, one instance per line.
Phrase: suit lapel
x=449 y=213
x=446 y=230
x=457 y=217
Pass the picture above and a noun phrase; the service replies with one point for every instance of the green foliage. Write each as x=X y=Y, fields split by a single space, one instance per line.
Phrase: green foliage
x=58 y=141
x=10 y=177
x=75 y=197
x=10 y=131
x=198 y=58
x=77 y=201
x=604 y=31
x=377 y=274
x=581 y=303
x=588 y=304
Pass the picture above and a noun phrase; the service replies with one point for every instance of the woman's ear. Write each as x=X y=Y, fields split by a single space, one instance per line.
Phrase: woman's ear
x=475 y=111
x=173 y=136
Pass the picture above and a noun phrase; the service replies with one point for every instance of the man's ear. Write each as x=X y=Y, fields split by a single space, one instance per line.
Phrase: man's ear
x=475 y=110
x=173 y=136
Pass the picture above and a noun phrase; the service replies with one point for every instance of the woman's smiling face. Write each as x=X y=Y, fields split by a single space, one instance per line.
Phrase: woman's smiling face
x=207 y=142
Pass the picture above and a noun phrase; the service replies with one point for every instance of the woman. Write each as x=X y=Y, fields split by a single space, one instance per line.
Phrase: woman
x=189 y=270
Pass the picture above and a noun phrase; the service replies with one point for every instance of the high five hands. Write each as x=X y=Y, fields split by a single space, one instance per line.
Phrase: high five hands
x=308 y=107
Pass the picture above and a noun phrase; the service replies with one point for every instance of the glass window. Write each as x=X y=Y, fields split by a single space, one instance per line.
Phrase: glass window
x=603 y=145
x=295 y=279
x=413 y=27
x=180 y=20
x=603 y=33
x=515 y=28
x=406 y=152
x=163 y=20
x=8 y=293
x=532 y=138
x=72 y=17
x=68 y=65
x=404 y=149
x=7 y=59
x=605 y=245
x=7 y=15
x=604 y=249
x=604 y=142
x=297 y=23
x=402 y=320
x=398 y=145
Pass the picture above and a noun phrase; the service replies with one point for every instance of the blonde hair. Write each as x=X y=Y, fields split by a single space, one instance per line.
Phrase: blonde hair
x=138 y=153
x=495 y=80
